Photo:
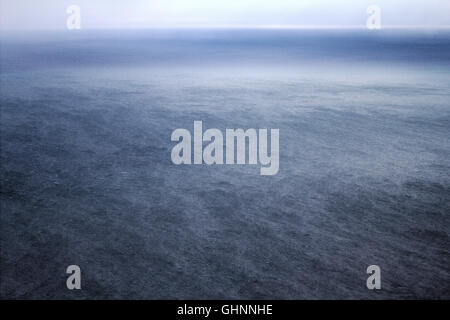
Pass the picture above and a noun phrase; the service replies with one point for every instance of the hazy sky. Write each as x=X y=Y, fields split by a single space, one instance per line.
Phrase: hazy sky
x=51 y=14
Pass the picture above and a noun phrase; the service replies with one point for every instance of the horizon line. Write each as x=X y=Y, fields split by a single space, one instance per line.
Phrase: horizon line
x=259 y=27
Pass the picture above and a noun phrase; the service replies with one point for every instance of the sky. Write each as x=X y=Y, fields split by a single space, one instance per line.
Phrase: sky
x=98 y=14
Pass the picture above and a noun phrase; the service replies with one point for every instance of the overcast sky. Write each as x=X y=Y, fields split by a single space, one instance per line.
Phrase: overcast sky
x=51 y=14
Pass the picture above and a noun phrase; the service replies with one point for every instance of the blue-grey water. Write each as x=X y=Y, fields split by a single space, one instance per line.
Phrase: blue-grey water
x=87 y=177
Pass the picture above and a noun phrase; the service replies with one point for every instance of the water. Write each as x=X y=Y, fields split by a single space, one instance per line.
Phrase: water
x=87 y=179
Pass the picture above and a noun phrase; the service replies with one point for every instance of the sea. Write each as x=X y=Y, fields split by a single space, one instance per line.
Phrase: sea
x=87 y=177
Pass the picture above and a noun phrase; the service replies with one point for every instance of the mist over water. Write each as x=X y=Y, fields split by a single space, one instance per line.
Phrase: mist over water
x=87 y=178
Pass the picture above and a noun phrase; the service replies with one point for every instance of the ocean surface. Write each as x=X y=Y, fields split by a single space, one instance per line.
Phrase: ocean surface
x=87 y=177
